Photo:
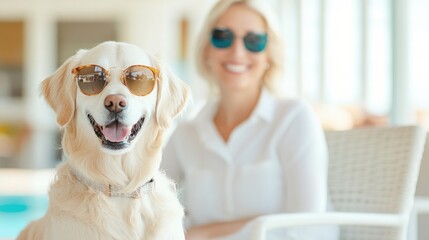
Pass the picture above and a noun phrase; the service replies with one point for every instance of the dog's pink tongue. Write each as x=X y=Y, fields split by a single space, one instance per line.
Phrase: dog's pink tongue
x=116 y=132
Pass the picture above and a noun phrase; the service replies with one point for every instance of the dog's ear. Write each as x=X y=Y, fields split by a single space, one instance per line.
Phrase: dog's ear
x=59 y=90
x=173 y=95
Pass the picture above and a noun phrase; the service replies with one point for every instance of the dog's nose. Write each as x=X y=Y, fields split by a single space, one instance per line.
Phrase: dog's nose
x=115 y=103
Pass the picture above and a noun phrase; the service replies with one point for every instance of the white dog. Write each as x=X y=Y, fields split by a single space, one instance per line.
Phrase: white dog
x=113 y=103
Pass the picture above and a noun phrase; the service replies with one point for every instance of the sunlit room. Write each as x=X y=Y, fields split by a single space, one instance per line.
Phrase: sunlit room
x=360 y=65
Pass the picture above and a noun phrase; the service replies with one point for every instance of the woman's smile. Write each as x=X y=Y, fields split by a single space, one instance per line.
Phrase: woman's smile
x=236 y=68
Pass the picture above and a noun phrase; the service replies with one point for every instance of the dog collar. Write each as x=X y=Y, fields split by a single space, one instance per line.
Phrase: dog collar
x=112 y=190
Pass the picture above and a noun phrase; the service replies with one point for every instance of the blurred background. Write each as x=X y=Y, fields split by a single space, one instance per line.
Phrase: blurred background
x=359 y=62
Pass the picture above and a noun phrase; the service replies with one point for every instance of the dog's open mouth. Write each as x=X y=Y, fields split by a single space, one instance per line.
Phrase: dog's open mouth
x=116 y=135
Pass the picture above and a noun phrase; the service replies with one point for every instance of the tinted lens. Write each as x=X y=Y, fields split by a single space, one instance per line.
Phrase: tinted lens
x=255 y=42
x=91 y=79
x=222 y=38
x=140 y=80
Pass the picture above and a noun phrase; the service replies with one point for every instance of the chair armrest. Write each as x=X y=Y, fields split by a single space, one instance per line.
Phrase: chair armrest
x=273 y=221
x=421 y=205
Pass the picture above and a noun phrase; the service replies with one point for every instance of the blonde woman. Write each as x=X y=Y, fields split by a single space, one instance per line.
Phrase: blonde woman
x=247 y=153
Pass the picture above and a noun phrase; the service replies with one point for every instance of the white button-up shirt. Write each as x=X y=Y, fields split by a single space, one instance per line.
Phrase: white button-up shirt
x=275 y=161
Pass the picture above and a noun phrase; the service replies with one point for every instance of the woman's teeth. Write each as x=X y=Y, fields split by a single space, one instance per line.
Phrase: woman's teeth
x=236 y=68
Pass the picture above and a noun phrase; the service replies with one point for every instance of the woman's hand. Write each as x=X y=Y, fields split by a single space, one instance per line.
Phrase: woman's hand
x=214 y=230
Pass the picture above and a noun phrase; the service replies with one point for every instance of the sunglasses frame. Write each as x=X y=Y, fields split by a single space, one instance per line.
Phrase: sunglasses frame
x=75 y=72
x=246 y=44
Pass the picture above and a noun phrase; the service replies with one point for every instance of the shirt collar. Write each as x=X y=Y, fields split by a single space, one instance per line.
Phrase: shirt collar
x=264 y=111
x=265 y=107
x=207 y=131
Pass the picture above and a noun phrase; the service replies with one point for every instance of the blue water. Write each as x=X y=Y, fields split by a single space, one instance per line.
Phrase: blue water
x=17 y=211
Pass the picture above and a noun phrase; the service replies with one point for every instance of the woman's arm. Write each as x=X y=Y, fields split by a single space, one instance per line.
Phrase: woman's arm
x=305 y=162
x=170 y=158
x=214 y=230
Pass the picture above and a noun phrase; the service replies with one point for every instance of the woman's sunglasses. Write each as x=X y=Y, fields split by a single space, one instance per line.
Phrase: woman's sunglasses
x=254 y=42
x=139 y=79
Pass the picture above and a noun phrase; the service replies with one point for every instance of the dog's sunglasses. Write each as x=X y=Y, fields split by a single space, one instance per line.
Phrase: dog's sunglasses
x=224 y=37
x=139 y=79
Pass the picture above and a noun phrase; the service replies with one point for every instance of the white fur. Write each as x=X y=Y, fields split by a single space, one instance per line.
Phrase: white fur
x=75 y=210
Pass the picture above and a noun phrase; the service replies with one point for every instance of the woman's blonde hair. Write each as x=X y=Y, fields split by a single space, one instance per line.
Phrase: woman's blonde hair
x=274 y=48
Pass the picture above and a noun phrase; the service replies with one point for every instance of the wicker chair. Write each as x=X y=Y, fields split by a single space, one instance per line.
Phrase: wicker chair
x=372 y=179
x=421 y=203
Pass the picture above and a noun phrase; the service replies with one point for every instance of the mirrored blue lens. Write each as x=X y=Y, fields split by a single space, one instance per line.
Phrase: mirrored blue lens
x=222 y=38
x=255 y=42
